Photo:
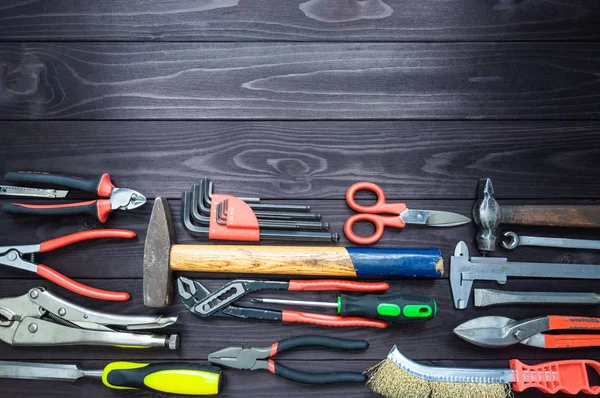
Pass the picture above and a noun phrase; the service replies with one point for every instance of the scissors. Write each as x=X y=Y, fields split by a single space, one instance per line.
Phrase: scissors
x=402 y=215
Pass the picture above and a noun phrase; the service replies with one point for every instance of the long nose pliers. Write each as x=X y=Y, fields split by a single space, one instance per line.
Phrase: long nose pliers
x=253 y=358
x=117 y=198
x=12 y=256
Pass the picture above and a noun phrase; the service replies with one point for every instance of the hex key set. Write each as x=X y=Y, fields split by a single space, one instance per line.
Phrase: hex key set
x=225 y=217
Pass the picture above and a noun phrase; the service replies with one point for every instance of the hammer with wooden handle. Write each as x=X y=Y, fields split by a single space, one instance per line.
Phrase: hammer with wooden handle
x=161 y=257
x=488 y=215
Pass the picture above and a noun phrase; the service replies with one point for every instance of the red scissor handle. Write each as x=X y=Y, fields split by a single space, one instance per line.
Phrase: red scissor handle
x=79 y=288
x=67 y=240
x=379 y=222
x=380 y=206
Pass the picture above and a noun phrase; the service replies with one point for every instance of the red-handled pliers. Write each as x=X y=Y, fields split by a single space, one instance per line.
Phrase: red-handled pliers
x=12 y=256
x=200 y=301
x=118 y=198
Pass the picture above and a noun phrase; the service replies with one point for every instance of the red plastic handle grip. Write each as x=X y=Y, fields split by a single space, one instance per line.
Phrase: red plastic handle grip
x=558 y=322
x=330 y=320
x=570 y=377
x=379 y=222
x=326 y=284
x=380 y=206
x=97 y=208
x=70 y=284
x=66 y=240
x=571 y=340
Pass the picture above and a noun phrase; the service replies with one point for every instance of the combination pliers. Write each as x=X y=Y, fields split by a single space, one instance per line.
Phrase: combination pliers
x=118 y=198
x=40 y=318
x=253 y=358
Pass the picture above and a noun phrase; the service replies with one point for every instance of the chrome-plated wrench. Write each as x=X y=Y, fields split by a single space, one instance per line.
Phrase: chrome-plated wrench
x=512 y=240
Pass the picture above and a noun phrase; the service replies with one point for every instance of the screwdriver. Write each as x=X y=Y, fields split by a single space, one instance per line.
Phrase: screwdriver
x=397 y=307
x=169 y=377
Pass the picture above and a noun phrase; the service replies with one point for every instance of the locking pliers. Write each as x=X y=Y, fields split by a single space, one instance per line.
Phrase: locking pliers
x=40 y=318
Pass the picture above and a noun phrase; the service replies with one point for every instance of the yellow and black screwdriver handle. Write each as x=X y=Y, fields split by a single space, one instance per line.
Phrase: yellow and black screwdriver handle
x=169 y=377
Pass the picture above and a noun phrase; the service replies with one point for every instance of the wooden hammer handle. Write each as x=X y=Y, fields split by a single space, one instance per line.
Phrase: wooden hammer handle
x=308 y=260
x=583 y=216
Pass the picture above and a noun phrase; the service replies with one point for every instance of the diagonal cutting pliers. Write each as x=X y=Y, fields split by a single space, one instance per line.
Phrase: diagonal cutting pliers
x=12 y=256
x=253 y=358
x=117 y=198
x=499 y=331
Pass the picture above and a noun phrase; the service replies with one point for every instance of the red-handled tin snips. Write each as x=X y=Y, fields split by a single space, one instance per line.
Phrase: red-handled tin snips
x=12 y=256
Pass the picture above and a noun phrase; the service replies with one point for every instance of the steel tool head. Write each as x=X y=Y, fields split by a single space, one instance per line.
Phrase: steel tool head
x=433 y=218
x=487 y=331
x=126 y=199
x=157 y=251
x=461 y=288
x=40 y=371
x=487 y=215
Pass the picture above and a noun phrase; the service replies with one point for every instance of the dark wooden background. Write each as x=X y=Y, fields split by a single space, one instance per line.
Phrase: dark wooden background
x=294 y=101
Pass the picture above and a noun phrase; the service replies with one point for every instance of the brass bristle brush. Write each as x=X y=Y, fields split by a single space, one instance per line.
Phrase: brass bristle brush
x=399 y=377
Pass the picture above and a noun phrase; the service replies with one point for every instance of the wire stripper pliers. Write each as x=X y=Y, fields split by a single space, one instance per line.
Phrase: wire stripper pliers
x=118 y=198
x=254 y=358
x=40 y=318
x=12 y=256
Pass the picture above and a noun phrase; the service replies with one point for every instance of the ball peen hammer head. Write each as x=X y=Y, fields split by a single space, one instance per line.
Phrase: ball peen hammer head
x=157 y=256
x=486 y=214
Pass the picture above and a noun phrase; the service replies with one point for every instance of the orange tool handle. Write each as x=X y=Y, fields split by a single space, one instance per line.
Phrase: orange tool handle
x=326 y=284
x=380 y=206
x=330 y=320
x=571 y=340
x=570 y=377
x=573 y=323
x=379 y=222
x=96 y=208
x=70 y=284
x=66 y=240
x=101 y=186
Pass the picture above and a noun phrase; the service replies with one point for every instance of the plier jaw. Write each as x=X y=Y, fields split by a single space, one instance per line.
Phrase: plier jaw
x=41 y=318
x=241 y=358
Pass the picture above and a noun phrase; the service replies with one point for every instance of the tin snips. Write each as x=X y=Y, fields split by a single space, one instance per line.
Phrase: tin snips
x=40 y=318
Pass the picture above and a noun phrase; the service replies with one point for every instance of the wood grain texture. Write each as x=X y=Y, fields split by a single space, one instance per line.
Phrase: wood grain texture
x=299 y=20
x=299 y=81
x=317 y=160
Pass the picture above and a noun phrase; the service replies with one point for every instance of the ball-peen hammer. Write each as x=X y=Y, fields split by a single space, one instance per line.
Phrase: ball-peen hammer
x=161 y=257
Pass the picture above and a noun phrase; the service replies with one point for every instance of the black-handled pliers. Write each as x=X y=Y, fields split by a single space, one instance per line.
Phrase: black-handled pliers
x=253 y=358
x=118 y=198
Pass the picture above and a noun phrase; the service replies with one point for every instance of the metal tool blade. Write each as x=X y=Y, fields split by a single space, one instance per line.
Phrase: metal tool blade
x=464 y=271
x=443 y=374
x=126 y=199
x=433 y=218
x=39 y=371
x=487 y=331
x=297 y=303
x=8 y=190
x=487 y=297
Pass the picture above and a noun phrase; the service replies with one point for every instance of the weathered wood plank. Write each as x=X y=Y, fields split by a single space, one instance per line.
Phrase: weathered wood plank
x=299 y=81
x=291 y=160
x=303 y=20
x=199 y=337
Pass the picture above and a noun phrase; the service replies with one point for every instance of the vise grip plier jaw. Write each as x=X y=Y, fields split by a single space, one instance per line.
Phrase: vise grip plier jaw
x=40 y=318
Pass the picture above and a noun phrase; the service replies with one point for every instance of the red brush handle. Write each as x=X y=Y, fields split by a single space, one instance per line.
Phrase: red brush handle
x=328 y=284
x=330 y=320
x=70 y=284
x=570 y=377
x=66 y=240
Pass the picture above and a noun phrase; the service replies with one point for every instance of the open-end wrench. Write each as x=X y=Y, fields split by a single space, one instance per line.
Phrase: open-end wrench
x=512 y=240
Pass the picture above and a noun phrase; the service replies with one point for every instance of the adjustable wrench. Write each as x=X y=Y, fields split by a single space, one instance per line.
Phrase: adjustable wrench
x=512 y=240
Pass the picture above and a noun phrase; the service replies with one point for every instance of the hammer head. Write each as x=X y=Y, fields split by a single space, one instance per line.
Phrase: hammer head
x=487 y=215
x=157 y=253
